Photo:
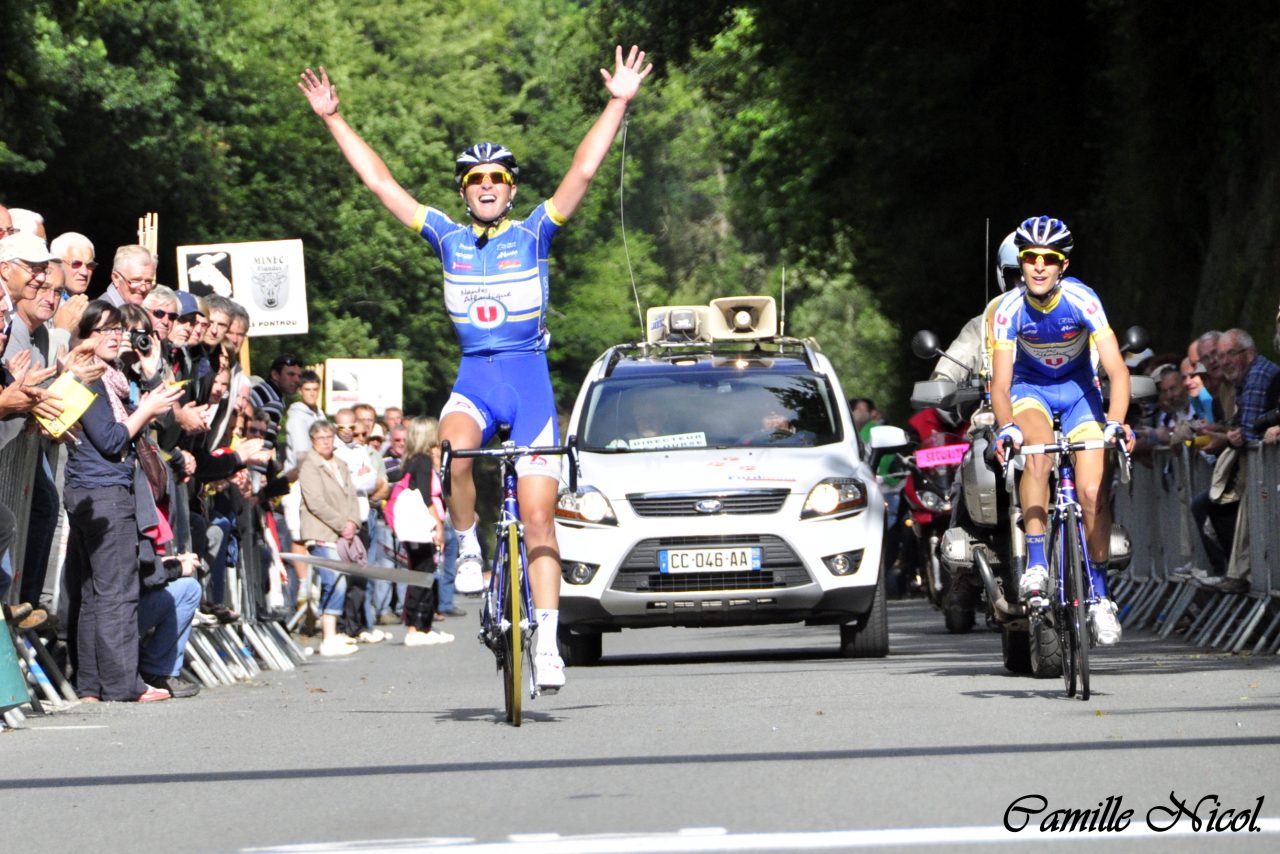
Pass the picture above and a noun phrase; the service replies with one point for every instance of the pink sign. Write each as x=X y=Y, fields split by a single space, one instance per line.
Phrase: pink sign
x=946 y=455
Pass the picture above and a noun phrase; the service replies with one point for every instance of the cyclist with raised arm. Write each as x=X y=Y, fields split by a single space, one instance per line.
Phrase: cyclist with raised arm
x=1043 y=367
x=496 y=292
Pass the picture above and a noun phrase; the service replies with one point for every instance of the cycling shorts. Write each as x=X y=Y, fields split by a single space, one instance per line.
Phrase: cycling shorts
x=510 y=389
x=1076 y=401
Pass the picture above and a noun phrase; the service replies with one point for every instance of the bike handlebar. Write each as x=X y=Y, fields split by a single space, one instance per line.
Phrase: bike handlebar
x=1062 y=446
x=508 y=451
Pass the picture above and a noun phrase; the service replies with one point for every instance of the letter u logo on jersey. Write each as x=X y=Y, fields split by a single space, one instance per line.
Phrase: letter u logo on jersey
x=487 y=313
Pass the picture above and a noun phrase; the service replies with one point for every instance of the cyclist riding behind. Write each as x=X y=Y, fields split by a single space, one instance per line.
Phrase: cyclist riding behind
x=496 y=292
x=1042 y=368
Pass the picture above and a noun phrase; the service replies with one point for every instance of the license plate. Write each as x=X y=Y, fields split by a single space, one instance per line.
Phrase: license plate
x=745 y=559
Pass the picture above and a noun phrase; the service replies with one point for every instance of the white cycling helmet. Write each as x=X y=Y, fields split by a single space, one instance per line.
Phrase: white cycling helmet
x=1008 y=270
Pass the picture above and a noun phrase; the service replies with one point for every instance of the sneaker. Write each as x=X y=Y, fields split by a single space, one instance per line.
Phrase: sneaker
x=177 y=687
x=335 y=646
x=470 y=575
x=200 y=618
x=152 y=695
x=373 y=636
x=346 y=639
x=455 y=611
x=1102 y=619
x=548 y=669
x=1034 y=585
x=431 y=638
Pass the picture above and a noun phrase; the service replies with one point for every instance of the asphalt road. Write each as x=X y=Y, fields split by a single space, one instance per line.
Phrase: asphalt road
x=680 y=740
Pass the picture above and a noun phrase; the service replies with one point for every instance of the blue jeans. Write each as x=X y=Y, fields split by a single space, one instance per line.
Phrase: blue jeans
x=447 y=570
x=224 y=550
x=168 y=610
x=377 y=596
x=333 y=585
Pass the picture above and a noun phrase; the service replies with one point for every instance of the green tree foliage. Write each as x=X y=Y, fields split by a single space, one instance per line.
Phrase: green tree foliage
x=862 y=146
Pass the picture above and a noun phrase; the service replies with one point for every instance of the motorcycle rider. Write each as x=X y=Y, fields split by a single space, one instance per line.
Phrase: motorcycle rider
x=970 y=352
x=1042 y=367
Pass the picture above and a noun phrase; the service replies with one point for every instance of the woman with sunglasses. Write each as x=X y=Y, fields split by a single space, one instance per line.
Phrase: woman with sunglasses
x=496 y=289
x=103 y=537
x=1045 y=333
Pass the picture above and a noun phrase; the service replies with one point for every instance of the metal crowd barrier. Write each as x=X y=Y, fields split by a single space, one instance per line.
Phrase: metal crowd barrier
x=222 y=654
x=17 y=473
x=1156 y=509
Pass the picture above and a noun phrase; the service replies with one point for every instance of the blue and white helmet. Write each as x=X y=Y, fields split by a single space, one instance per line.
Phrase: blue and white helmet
x=484 y=152
x=1008 y=270
x=1044 y=232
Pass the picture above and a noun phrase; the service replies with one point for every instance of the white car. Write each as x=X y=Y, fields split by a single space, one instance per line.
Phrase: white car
x=721 y=483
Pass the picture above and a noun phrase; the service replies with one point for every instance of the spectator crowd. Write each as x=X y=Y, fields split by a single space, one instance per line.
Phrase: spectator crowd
x=1216 y=399
x=157 y=465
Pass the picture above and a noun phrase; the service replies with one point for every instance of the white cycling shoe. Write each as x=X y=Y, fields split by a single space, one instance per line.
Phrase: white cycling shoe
x=548 y=672
x=1033 y=587
x=469 y=579
x=1102 y=619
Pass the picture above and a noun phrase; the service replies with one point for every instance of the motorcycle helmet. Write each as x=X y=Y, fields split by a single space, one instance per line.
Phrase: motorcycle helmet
x=1008 y=270
x=484 y=152
x=1044 y=232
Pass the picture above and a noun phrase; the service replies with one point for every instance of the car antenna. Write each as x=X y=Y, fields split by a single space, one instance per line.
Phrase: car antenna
x=622 y=221
x=782 y=319
x=986 y=264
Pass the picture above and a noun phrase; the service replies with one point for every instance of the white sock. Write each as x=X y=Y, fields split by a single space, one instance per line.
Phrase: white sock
x=467 y=542
x=548 y=622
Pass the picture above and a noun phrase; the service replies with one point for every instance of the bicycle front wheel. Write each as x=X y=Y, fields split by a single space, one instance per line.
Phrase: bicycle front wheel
x=513 y=638
x=1060 y=605
x=1078 y=602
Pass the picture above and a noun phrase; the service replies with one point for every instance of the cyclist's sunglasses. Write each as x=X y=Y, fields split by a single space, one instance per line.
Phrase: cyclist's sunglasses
x=1029 y=256
x=471 y=179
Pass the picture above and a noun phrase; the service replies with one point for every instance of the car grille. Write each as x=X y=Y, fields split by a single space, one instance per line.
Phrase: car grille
x=744 y=502
x=780 y=567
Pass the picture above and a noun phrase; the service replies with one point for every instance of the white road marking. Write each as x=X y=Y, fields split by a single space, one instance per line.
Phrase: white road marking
x=84 y=726
x=711 y=839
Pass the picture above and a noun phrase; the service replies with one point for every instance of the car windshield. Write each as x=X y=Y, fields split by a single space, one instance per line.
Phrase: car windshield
x=718 y=408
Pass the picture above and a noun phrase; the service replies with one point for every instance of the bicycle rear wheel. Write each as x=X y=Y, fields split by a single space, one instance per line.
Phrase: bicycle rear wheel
x=1060 y=606
x=513 y=637
x=1077 y=602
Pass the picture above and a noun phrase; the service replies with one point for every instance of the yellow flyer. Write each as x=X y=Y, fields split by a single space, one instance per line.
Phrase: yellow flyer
x=75 y=400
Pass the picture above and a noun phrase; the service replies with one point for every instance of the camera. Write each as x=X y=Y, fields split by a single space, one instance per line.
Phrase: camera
x=140 y=341
x=1267 y=420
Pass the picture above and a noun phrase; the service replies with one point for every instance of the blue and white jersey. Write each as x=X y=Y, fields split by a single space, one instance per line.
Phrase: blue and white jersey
x=1051 y=342
x=496 y=289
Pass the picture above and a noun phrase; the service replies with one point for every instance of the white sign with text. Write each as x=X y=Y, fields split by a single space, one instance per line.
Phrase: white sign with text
x=377 y=382
x=266 y=277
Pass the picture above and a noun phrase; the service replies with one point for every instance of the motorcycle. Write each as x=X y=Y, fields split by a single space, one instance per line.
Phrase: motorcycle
x=933 y=470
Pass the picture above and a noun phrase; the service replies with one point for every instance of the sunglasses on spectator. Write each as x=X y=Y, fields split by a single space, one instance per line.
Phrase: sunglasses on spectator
x=161 y=314
x=344 y=427
x=471 y=179
x=110 y=330
x=35 y=271
x=6 y=230
x=77 y=264
x=1235 y=351
x=1029 y=256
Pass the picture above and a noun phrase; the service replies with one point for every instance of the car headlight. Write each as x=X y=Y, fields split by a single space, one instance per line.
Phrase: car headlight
x=588 y=504
x=835 y=496
x=931 y=501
